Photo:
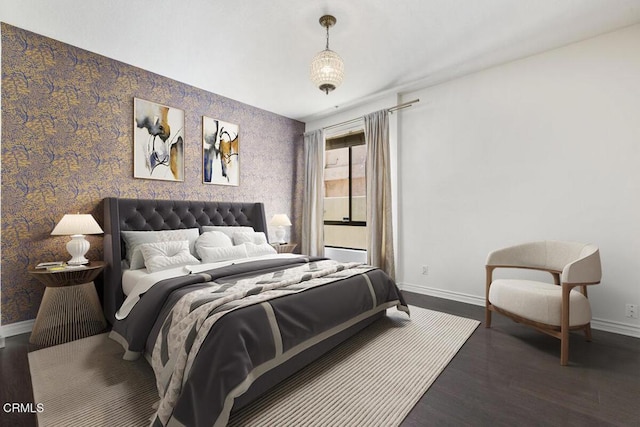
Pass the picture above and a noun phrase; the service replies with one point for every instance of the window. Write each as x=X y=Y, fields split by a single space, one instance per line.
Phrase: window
x=345 y=192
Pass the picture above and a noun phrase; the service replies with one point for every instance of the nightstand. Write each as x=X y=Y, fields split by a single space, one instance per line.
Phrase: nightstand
x=70 y=308
x=284 y=248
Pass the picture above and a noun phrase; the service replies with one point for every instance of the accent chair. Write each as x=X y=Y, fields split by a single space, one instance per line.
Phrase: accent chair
x=553 y=308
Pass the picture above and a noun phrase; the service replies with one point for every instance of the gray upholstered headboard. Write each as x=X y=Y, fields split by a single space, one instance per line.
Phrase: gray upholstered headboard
x=153 y=215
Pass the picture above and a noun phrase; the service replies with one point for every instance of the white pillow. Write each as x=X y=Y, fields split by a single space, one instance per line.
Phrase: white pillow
x=259 y=250
x=257 y=238
x=133 y=239
x=229 y=230
x=162 y=255
x=211 y=254
x=212 y=239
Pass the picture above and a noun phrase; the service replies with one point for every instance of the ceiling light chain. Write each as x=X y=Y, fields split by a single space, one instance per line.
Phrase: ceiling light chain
x=327 y=27
x=327 y=68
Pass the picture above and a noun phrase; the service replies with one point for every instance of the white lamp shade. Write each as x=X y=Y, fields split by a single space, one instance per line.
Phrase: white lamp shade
x=280 y=220
x=72 y=224
x=76 y=226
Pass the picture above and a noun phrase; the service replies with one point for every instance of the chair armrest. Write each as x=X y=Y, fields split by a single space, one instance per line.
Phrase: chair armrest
x=584 y=271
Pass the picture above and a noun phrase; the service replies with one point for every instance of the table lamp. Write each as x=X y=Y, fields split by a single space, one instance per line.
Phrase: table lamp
x=280 y=221
x=76 y=226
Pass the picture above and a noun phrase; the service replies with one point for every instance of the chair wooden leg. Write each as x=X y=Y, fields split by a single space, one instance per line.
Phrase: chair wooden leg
x=564 y=348
x=487 y=311
x=587 y=329
x=564 y=327
x=587 y=332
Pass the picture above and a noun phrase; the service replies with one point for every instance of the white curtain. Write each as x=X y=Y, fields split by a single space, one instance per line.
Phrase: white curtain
x=313 y=203
x=379 y=224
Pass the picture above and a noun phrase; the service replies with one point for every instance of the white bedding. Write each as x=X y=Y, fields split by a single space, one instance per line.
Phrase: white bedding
x=137 y=282
x=131 y=277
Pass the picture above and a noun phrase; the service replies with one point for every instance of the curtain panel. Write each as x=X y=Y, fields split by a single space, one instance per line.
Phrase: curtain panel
x=380 y=251
x=313 y=204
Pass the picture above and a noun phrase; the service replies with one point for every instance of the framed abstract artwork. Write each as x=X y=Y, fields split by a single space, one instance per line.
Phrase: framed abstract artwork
x=158 y=141
x=220 y=152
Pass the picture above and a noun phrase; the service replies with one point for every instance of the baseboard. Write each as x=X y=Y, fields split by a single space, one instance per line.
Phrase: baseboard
x=17 y=328
x=441 y=293
x=598 y=324
x=616 y=327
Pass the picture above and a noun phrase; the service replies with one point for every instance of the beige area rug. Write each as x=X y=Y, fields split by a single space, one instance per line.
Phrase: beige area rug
x=86 y=383
x=375 y=378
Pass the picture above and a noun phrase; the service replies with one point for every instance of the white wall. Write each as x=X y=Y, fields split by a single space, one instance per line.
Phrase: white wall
x=547 y=147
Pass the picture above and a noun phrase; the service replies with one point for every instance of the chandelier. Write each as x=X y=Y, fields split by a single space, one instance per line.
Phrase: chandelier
x=327 y=68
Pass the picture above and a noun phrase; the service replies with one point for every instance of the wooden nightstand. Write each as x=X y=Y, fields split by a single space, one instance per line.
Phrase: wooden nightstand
x=70 y=308
x=284 y=248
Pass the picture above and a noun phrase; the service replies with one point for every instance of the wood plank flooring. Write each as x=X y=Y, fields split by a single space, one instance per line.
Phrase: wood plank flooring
x=508 y=375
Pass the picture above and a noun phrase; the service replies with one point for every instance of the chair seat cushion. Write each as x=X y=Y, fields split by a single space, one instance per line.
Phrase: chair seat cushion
x=538 y=301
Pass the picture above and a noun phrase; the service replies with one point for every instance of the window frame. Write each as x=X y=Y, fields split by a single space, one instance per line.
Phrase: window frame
x=361 y=141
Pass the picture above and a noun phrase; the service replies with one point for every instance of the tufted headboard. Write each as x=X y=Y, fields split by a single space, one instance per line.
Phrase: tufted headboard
x=153 y=215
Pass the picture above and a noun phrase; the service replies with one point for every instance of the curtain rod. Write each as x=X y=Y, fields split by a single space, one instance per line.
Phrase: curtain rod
x=389 y=110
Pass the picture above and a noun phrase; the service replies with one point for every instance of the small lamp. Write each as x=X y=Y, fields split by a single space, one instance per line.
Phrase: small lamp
x=280 y=221
x=76 y=226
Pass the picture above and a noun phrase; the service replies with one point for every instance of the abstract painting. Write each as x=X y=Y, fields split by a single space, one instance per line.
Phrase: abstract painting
x=220 y=153
x=158 y=141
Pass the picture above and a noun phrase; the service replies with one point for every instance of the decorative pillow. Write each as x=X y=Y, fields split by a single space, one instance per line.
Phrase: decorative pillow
x=229 y=230
x=162 y=255
x=257 y=238
x=212 y=239
x=228 y=253
x=259 y=250
x=133 y=239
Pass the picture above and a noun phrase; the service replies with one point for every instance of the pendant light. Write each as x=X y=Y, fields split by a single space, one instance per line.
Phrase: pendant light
x=327 y=68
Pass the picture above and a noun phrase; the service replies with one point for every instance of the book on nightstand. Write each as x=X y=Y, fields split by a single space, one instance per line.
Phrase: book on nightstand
x=50 y=264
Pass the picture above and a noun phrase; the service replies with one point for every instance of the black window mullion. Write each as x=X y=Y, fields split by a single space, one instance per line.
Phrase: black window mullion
x=350 y=188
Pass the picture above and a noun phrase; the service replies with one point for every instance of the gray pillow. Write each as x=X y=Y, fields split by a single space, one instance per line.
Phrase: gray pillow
x=133 y=239
x=229 y=230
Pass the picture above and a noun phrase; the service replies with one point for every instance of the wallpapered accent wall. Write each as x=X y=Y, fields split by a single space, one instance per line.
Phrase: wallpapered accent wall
x=67 y=135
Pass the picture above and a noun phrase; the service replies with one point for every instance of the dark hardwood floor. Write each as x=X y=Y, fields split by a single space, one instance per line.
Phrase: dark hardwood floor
x=508 y=375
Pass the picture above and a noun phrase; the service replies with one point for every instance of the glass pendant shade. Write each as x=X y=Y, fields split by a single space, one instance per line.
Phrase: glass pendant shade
x=327 y=70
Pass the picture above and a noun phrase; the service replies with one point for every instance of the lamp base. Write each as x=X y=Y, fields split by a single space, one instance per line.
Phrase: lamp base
x=77 y=247
x=280 y=235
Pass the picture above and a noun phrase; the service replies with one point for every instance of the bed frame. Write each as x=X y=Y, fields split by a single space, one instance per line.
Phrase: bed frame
x=140 y=214
x=154 y=215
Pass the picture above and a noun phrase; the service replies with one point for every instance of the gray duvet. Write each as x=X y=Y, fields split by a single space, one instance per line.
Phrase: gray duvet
x=210 y=335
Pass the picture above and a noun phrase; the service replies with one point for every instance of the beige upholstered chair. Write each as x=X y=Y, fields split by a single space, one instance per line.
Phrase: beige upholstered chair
x=550 y=308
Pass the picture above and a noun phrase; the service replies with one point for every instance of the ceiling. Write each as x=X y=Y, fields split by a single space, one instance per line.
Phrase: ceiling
x=258 y=52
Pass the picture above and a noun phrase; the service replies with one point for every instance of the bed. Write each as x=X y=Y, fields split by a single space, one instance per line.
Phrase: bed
x=219 y=335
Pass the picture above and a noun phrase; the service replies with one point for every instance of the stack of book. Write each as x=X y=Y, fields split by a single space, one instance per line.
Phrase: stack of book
x=57 y=266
